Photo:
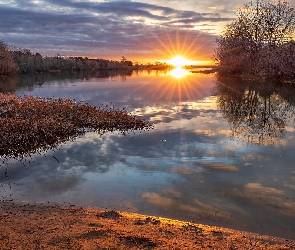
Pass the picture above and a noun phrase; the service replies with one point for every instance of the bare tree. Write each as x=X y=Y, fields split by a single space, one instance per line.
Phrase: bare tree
x=7 y=65
x=250 y=41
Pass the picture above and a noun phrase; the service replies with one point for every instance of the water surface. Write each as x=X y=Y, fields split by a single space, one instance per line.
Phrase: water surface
x=221 y=151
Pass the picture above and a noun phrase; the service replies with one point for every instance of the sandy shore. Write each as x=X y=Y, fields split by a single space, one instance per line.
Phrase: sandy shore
x=47 y=226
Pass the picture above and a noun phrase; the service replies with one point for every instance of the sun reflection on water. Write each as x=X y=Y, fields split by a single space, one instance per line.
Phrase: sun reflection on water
x=179 y=72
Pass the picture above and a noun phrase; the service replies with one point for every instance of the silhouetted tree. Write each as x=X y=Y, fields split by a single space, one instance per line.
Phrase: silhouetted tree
x=123 y=59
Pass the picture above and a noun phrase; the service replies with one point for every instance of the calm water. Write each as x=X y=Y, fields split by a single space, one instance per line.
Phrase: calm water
x=221 y=152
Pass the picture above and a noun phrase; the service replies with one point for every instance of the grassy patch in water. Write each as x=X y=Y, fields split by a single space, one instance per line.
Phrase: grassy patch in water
x=34 y=124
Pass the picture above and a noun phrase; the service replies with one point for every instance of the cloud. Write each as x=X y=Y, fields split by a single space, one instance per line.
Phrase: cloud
x=259 y=189
x=218 y=166
x=271 y=199
x=175 y=204
x=108 y=28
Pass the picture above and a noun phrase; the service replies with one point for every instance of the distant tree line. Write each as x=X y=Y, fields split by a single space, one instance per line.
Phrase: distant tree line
x=259 y=42
x=19 y=61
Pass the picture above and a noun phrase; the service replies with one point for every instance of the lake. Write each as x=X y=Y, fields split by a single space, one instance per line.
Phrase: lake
x=221 y=151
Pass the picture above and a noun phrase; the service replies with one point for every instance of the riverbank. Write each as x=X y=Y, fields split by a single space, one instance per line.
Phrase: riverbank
x=51 y=226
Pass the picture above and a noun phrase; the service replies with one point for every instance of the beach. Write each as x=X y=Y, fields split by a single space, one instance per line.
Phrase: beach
x=55 y=226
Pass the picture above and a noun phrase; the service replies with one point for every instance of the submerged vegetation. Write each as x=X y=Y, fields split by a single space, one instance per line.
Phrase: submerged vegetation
x=259 y=42
x=33 y=124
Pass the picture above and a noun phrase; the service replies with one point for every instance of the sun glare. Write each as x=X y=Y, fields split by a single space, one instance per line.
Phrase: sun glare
x=178 y=72
x=179 y=61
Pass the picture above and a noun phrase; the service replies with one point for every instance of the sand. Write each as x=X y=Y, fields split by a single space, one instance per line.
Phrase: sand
x=52 y=226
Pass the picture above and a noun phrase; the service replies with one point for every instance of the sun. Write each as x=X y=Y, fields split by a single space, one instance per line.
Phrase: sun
x=179 y=61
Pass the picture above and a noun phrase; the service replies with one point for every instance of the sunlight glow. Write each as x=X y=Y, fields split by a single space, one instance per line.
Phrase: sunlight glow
x=178 y=72
x=179 y=61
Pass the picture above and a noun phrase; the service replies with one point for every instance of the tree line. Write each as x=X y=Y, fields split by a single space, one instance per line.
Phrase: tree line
x=18 y=61
x=259 y=42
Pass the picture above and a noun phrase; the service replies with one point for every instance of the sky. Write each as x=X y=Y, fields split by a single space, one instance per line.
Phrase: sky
x=141 y=30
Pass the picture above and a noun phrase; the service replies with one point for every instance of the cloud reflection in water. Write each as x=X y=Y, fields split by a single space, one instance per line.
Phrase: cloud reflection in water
x=188 y=167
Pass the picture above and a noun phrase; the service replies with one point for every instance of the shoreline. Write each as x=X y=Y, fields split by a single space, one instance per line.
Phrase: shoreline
x=55 y=226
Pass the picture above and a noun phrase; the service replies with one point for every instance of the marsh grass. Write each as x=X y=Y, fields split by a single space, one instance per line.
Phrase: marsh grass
x=34 y=124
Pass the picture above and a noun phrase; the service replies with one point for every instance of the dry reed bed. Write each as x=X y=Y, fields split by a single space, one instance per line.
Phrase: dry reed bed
x=34 y=124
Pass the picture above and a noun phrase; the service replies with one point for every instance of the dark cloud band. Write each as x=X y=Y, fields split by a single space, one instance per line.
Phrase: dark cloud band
x=96 y=27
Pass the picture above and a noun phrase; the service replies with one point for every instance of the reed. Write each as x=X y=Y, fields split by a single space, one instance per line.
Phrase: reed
x=34 y=124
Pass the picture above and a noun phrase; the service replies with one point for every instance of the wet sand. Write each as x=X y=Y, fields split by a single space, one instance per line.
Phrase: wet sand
x=52 y=226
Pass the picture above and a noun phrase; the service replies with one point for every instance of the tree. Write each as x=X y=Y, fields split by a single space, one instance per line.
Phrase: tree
x=123 y=59
x=250 y=41
x=7 y=65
